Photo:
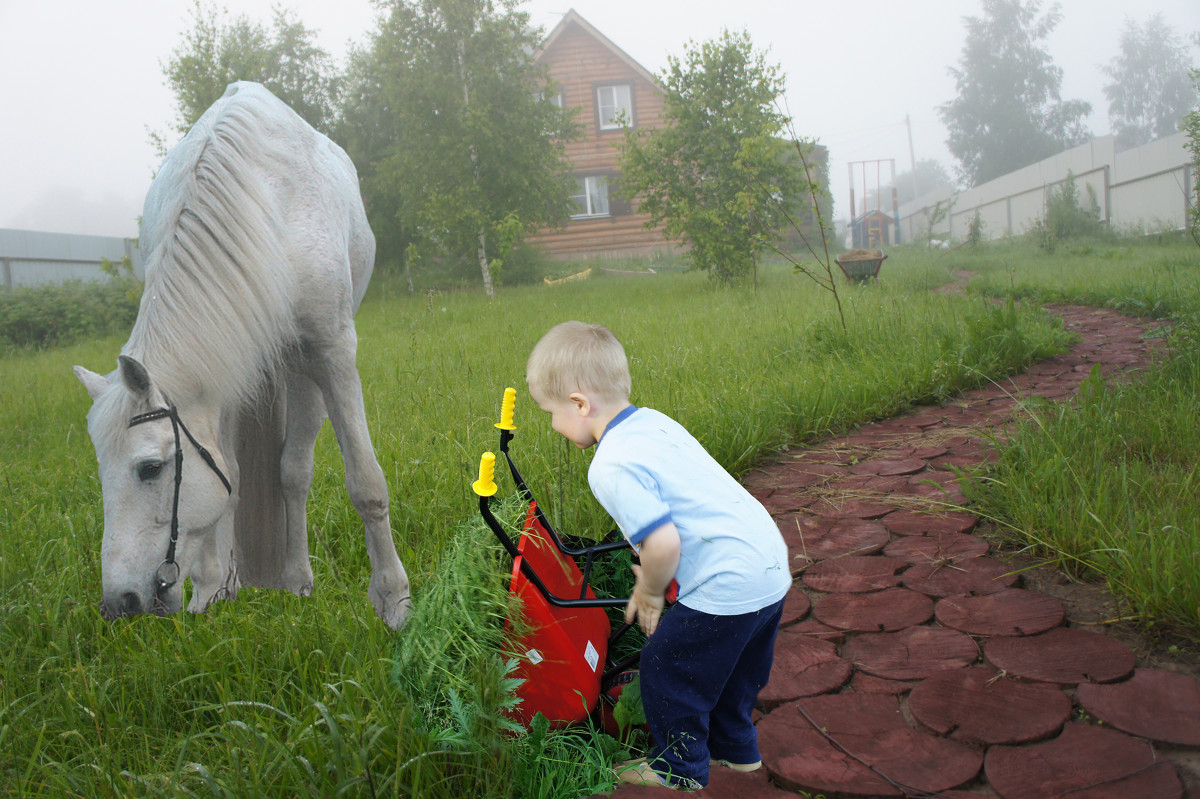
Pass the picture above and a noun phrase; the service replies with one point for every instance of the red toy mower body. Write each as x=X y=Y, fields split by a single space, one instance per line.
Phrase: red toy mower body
x=563 y=654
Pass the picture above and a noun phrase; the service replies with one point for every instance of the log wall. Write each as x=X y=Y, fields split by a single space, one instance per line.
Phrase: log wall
x=579 y=63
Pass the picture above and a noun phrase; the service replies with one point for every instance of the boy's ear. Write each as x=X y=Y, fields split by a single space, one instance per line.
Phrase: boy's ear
x=582 y=403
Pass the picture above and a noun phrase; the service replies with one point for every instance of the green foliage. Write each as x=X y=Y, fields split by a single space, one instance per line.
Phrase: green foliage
x=563 y=764
x=455 y=139
x=1008 y=113
x=56 y=314
x=975 y=230
x=216 y=52
x=1191 y=127
x=1066 y=218
x=450 y=660
x=1141 y=277
x=524 y=265
x=629 y=711
x=717 y=175
x=1149 y=89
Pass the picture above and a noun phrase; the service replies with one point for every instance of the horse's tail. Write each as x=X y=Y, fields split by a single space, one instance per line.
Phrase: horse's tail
x=260 y=521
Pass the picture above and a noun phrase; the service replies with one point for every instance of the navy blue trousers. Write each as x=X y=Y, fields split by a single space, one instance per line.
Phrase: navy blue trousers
x=700 y=677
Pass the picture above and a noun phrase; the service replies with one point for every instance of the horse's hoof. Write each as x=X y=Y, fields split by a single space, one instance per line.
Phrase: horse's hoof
x=394 y=614
x=300 y=586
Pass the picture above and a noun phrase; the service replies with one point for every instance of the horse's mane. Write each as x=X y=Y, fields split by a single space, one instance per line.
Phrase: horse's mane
x=216 y=316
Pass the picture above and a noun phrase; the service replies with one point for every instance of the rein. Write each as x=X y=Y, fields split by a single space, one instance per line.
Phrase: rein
x=167 y=573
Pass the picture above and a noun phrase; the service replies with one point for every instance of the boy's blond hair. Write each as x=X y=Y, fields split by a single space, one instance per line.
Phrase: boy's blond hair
x=574 y=356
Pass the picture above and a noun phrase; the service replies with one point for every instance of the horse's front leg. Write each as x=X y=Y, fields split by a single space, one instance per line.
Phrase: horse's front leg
x=212 y=567
x=340 y=383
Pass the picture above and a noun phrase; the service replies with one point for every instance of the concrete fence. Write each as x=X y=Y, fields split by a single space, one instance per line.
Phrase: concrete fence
x=30 y=258
x=1144 y=189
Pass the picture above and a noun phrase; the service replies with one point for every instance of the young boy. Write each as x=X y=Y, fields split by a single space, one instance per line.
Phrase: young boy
x=706 y=660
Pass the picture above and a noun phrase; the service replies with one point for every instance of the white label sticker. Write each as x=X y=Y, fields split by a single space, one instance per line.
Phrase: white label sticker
x=592 y=656
x=535 y=657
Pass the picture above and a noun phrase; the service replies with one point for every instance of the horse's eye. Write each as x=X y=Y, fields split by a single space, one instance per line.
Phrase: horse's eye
x=148 y=470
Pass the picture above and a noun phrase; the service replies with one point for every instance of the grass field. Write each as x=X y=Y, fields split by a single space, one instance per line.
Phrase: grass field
x=280 y=696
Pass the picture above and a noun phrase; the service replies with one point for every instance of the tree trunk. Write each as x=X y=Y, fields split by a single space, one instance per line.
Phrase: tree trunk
x=483 y=264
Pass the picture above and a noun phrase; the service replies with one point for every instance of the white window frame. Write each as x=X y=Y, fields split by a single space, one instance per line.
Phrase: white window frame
x=591 y=199
x=610 y=102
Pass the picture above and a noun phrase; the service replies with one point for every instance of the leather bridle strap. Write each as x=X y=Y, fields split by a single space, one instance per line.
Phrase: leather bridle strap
x=167 y=573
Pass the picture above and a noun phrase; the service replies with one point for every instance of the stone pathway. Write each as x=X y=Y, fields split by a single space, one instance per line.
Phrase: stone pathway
x=911 y=662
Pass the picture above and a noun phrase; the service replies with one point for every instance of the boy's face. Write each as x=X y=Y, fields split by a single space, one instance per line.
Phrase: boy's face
x=569 y=417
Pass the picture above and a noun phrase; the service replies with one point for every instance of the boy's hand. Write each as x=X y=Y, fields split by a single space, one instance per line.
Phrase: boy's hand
x=659 y=554
x=644 y=605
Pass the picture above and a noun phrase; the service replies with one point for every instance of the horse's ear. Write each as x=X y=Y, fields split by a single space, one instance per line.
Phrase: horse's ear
x=93 y=382
x=134 y=375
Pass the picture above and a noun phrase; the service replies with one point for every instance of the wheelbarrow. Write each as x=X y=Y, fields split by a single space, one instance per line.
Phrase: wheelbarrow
x=566 y=661
x=859 y=266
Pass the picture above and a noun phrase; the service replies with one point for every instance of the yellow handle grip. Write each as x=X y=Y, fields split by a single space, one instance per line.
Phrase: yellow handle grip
x=506 y=410
x=485 y=486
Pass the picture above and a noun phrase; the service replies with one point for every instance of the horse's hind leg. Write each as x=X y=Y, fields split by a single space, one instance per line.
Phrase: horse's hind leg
x=305 y=415
x=338 y=377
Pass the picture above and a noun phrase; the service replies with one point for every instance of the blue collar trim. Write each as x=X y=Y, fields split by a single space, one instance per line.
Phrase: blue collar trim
x=616 y=420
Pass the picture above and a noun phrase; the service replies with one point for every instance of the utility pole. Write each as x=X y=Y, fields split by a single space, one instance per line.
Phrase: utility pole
x=911 y=157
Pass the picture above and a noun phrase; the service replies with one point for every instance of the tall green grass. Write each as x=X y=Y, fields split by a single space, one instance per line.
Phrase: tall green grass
x=1151 y=277
x=1108 y=485
x=278 y=695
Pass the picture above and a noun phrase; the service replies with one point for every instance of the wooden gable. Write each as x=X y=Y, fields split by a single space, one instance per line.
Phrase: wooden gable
x=586 y=65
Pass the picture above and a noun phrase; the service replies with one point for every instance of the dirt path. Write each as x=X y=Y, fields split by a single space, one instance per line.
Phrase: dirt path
x=918 y=658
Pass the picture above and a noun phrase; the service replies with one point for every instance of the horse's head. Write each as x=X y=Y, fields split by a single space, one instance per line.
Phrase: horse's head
x=147 y=494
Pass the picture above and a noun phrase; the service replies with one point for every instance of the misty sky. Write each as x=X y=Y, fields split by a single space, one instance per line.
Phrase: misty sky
x=81 y=82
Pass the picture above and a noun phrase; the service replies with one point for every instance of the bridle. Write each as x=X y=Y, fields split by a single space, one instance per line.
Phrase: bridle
x=167 y=573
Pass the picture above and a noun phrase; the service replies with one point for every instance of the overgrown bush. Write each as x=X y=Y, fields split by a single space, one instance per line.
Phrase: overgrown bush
x=1066 y=218
x=45 y=316
x=524 y=265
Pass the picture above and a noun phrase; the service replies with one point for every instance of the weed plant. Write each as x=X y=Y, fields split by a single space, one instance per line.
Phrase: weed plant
x=279 y=695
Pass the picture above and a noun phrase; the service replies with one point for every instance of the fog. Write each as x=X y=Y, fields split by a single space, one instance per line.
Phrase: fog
x=82 y=84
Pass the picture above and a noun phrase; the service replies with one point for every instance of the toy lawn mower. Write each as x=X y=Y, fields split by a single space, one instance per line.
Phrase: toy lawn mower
x=566 y=663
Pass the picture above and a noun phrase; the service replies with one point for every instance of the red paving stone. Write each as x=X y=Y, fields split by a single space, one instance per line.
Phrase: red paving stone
x=1064 y=655
x=982 y=706
x=904 y=687
x=912 y=653
x=1012 y=612
x=1084 y=760
x=1156 y=704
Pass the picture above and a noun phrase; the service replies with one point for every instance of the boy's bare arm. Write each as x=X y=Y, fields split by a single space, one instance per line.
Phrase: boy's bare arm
x=659 y=555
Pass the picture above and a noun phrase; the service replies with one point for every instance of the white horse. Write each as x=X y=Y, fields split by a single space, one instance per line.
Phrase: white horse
x=257 y=254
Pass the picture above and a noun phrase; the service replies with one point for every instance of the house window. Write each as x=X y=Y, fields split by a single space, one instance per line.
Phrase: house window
x=555 y=99
x=591 y=197
x=611 y=103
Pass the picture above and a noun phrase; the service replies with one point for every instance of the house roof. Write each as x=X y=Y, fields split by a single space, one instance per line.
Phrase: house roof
x=572 y=17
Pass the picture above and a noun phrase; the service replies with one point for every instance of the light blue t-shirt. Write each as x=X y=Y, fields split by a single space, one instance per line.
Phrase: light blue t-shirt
x=648 y=470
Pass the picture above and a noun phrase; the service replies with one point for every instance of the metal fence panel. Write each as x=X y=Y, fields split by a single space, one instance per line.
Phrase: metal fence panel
x=1141 y=189
x=32 y=258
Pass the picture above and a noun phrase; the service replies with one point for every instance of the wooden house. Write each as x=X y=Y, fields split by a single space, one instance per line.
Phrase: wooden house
x=601 y=80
